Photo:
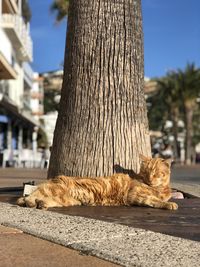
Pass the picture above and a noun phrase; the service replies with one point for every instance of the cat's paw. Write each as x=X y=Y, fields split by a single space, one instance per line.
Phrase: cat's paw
x=40 y=204
x=30 y=203
x=21 y=202
x=171 y=206
x=26 y=202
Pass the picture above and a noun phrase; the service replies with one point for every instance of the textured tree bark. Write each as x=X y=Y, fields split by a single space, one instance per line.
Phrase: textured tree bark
x=102 y=120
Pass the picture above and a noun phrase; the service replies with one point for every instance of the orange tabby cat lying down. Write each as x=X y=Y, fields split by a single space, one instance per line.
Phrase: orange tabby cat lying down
x=151 y=187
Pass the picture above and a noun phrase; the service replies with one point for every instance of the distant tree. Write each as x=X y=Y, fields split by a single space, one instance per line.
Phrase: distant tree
x=177 y=99
x=188 y=82
x=60 y=7
x=102 y=120
x=196 y=128
x=50 y=103
x=157 y=112
x=165 y=105
x=26 y=12
x=42 y=140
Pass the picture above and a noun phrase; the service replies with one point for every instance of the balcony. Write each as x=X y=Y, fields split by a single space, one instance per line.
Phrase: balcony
x=18 y=33
x=39 y=111
x=37 y=95
x=26 y=102
x=10 y=6
x=28 y=74
x=7 y=71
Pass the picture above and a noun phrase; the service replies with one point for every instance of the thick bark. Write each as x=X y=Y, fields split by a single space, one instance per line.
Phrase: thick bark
x=102 y=120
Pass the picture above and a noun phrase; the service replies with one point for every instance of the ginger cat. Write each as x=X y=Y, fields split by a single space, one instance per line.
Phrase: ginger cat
x=151 y=187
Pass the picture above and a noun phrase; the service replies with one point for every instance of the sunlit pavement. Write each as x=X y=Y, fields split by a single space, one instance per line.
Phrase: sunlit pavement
x=16 y=177
x=186 y=179
x=22 y=250
x=181 y=223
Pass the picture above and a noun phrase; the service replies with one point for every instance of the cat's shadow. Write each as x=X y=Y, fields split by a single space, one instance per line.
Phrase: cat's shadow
x=120 y=169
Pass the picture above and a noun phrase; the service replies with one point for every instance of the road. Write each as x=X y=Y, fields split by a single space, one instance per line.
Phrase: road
x=186 y=175
x=16 y=177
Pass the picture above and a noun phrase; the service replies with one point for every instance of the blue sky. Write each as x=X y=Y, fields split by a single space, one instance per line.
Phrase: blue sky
x=171 y=35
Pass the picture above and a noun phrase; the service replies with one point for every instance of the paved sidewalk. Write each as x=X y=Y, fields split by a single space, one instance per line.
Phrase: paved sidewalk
x=21 y=250
x=186 y=179
x=123 y=245
x=15 y=177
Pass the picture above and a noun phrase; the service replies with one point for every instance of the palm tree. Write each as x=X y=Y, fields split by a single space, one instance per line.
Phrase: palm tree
x=179 y=91
x=169 y=97
x=26 y=12
x=102 y=120
x=196 y=130
x=189 y=85
x=61 y=9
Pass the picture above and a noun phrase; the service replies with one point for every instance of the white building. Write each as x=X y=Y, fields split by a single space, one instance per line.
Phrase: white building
x=49 y=125
x=37 y=96
x=17 y=125
x=52 y=82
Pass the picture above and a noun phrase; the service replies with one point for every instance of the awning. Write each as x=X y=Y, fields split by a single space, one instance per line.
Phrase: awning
x=12 y=110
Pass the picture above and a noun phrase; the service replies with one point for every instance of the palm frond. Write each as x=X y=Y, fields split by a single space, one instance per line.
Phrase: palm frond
x=60 y=7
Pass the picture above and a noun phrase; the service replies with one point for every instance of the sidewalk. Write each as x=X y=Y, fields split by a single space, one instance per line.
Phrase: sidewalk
x=105 y=238
x=123 y=245
x=22 y=250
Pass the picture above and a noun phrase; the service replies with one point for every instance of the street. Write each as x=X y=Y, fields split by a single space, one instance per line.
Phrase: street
x=10 y=177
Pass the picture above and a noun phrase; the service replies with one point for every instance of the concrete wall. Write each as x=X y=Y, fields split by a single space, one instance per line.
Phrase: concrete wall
x=16 y=87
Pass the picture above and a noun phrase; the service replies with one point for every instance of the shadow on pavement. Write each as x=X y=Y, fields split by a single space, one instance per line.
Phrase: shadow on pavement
x=183 y=222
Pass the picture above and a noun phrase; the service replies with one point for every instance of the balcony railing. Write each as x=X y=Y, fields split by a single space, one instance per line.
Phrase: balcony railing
x=37 y=95
x=28 y=74
x=18 y=32
x=26 y=103
x=10 y=7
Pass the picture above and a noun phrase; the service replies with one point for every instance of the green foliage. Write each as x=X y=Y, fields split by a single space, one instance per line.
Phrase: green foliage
x=42 y=139
x=157 y=112
x=50 y=104
x=175 y=89
x=26 y=12
x=177 y=94
x=60 y=7
x=196 y=126
x=189 y=82
x=163 y=102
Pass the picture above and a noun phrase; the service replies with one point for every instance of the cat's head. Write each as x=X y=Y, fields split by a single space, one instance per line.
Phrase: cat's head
x=155 y=171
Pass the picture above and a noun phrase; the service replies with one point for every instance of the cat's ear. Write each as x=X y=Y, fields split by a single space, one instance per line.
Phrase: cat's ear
x=169 y=162
x=144 y=158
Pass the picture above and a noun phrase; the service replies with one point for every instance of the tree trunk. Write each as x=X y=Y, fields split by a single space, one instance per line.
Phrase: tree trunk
x=175 y=116
x=102 y=120
x=189 y=107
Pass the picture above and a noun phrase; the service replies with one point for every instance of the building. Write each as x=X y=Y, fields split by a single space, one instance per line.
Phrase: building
x=37 y=97
x=150 y=86
x=52 y=83
x=17 y=125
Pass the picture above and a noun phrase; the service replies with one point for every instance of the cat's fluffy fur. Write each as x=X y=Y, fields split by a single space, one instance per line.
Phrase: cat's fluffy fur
x=151 y=187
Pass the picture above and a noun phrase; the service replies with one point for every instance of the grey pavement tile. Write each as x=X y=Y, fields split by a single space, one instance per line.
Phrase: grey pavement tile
x=117 y=243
